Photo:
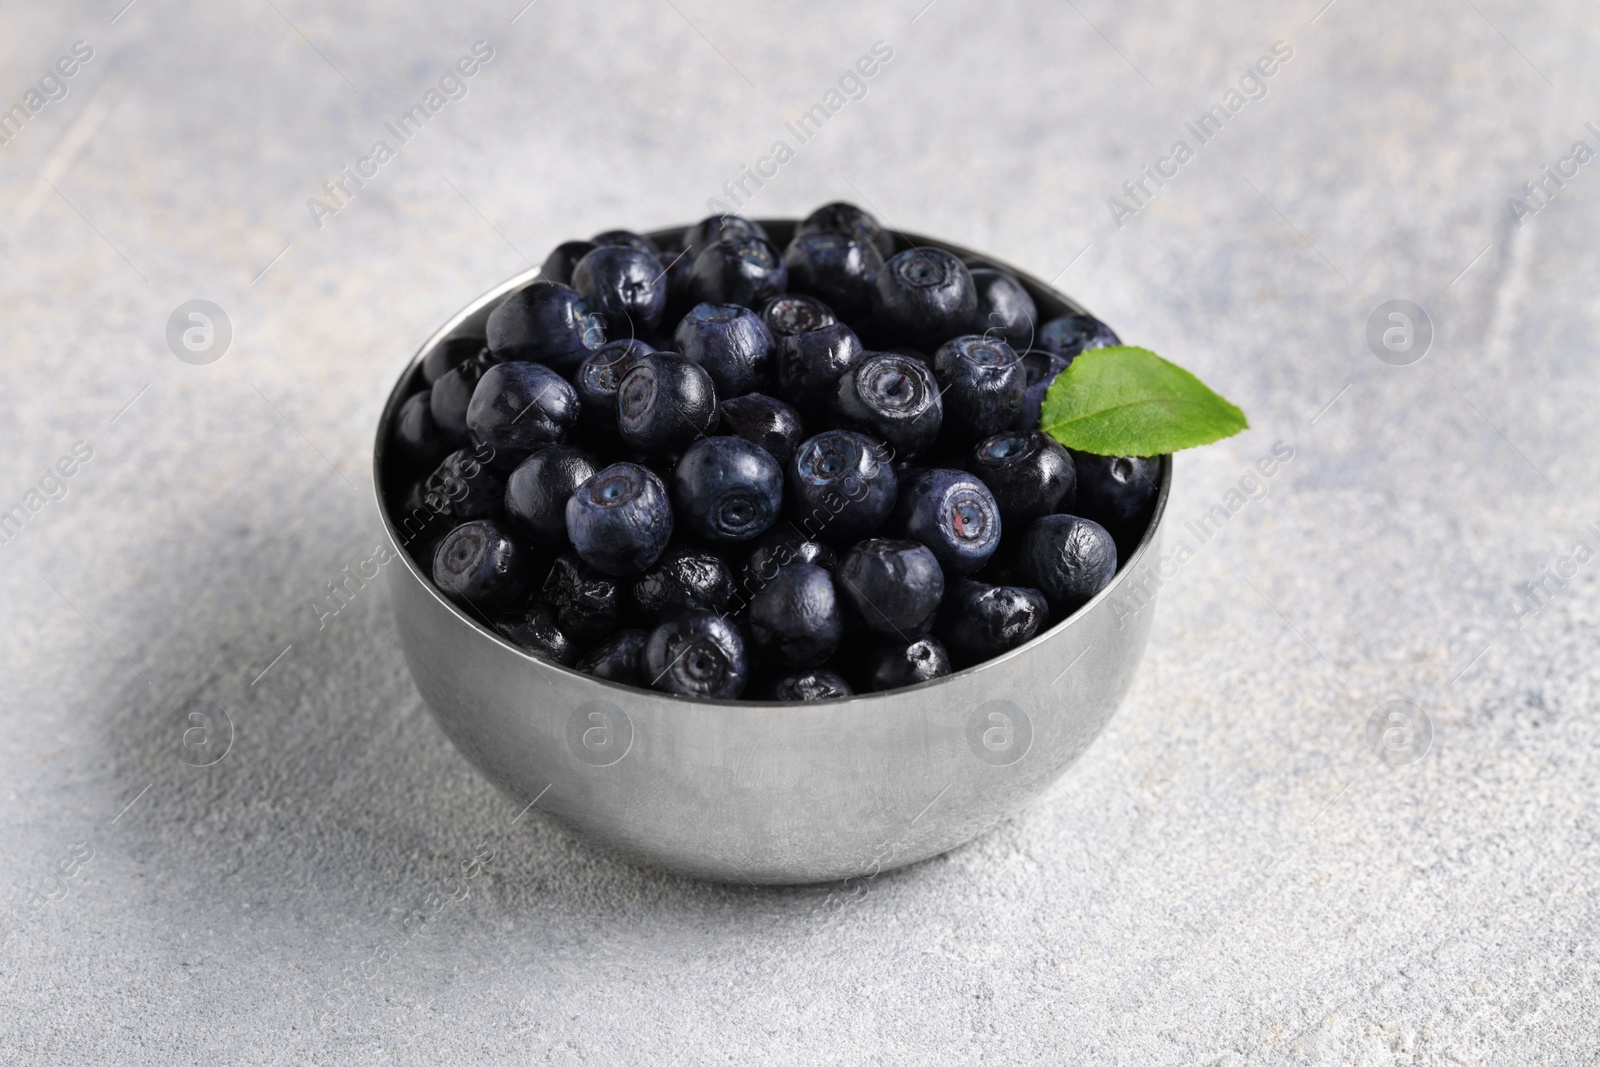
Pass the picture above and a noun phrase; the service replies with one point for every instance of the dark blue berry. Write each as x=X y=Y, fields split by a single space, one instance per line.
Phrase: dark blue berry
x=665 y=402
x=1042 y=369
x=979 y=621
x=626 y=286
x=709 y=229
x=478 y=564
x=518 y=408
x=448 y=356
x=983 y=382
x=836 y=269
x=422 y=518
x=810 y=685
x=416 y=440
x=892 y=397
x=794 y=313
x=841 y=486
x=465 y=486
x=776 y=549
x=590 y=604
x=1068 y=558
x=600 y=375
x=697 y=654
x=678 y=265
x=1070 y=334
x=558 y=264
x=537 y=492
x=796 y=618
x=738 y=269
x=536 y=628
x=954 y=514
x=1005 y=310
x=620 y=519
x=894 y=586
x=808 y=365
x=925 y=296
x=1118 y=492
x=764 y=421
x=625 y=239
x=545 y=322
x=685 y=578
x=850 y=221
x=727 y=489
x=616 y=659
x=451 y=395
x=1029 y=474
x=907 y=663
x=730 y=343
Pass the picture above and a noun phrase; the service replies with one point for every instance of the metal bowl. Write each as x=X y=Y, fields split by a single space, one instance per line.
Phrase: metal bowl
x=769 y=793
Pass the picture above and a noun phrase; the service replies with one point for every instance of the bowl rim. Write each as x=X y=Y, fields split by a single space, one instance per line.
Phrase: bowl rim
x=398 y=394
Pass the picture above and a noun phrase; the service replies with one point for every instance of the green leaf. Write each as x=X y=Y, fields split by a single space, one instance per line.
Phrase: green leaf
x=1125 y=401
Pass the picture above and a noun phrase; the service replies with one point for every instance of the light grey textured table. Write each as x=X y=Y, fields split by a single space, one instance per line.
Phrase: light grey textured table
x=1235 y=873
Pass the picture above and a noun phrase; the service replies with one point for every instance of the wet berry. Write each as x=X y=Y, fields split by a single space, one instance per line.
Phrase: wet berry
x=907 y=663
x=665 y=402
x=697 y=654
x=796 y=618
x=983 y=382
x=684 y=578
x=810 y=685
x=894 y=398
x=1070 y=334
x=479 y=564
x=518 y=408
x=1029 y=474
x=558 y=264
x=954 y=514
x=545 y=323
x=1068 y=558
x=841 y=486
x=620 y=519
x=738 y=269
x=731 y=343
x=848 y=221
x=616 y=659
x=979 y=621
x=590 y=604
x=1005 y=310
x=538 y=490
x=726 y=490
x=535 y=628
x=600 y=375
x=765 y=421
x=925 y=296
x=894 y=586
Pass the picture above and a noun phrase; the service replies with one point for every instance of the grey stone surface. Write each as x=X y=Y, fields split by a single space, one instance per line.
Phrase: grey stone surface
x=1232 y=875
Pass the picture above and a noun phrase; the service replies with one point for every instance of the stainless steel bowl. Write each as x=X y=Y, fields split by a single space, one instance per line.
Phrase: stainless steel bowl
x=762 y=792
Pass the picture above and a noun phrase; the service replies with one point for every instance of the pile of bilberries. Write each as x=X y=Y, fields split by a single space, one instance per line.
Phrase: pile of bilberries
x=721 y=471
